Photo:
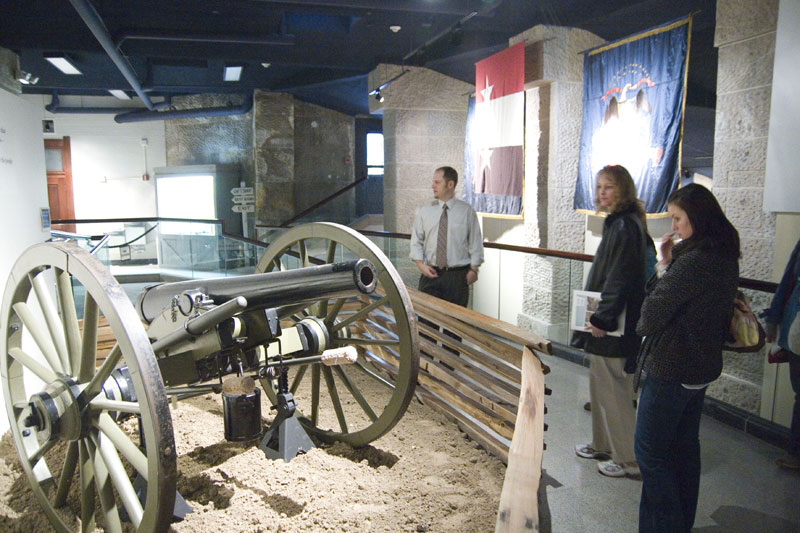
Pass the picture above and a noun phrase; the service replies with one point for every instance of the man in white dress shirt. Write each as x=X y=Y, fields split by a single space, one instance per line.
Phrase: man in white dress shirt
x=452 y=225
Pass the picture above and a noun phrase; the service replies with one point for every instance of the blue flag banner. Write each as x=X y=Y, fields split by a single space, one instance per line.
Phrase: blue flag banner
x=633 y=100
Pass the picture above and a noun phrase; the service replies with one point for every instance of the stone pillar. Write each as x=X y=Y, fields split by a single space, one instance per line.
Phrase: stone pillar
x=9 y=68
x=273 y=135
x=324 y=145
x=745 y=35
x=554 y=94
x=424 y=123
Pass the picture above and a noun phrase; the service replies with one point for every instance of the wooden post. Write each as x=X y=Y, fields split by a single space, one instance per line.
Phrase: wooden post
x=519 y=508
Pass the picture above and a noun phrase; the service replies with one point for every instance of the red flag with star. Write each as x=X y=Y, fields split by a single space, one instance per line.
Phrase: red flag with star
x=500 y=123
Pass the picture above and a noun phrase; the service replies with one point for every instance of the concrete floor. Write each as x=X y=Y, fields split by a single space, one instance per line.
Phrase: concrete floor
x=741 y=489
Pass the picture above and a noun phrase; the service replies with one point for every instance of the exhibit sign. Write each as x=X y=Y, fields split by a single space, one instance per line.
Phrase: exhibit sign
x=634 y=93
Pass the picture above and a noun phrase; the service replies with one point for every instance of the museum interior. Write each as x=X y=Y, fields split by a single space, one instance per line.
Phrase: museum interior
x=216 y=147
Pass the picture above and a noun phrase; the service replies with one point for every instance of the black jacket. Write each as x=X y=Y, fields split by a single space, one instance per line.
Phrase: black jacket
x=618 y=274
x=686 y=315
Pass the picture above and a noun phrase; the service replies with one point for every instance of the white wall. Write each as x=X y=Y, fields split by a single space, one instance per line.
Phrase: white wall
x=23 y=186
x=108 y=159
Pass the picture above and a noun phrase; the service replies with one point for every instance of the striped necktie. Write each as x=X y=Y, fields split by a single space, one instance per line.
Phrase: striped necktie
x=441 y=240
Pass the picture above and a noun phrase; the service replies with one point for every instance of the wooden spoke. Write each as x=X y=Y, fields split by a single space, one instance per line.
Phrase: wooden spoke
x=361 y=313
x=67 y=471
x=87 y=487
x=40 y=336
x=91 y=317
x=119 y=478
x=124 y=444
x=339 y=371
x=334 y=311
x=66 y=301
x=105 y=490
x=334 y=397
x=36 y=456
x=315 y=394
x=298 y=378
x=51 y=318
x=364 y=342
x=101 y=403
x=42 y=372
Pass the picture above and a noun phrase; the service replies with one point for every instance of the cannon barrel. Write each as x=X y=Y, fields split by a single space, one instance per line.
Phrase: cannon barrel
x=271 y=289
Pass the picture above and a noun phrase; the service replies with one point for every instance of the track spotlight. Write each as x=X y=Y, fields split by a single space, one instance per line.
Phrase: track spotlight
x=379 y=96
x=26 y=78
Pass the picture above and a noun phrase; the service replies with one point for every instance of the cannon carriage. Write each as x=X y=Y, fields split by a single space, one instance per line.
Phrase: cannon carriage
x=93 y=430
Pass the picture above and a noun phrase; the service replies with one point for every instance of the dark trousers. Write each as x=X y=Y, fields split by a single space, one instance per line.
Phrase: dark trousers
x=667 y=447
x=451 y=285
x=794 y=377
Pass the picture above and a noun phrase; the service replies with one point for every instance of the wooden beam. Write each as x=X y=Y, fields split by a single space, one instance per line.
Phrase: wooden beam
x=519 y=509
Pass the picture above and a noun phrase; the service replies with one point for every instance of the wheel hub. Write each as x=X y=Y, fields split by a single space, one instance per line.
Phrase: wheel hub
x=54 y=412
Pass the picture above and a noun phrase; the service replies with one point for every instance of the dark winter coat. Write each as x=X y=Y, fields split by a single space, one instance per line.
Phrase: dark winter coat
x=617 y=272
x=686 y=315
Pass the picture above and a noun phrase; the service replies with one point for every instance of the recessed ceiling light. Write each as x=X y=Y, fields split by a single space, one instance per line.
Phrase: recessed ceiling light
x=395 y=28
x=233 y=73
x=63 y=64
x=122 y=95
x=266 y=65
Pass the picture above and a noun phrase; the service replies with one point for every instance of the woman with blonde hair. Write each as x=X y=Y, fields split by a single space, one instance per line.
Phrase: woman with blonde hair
x=618 y=274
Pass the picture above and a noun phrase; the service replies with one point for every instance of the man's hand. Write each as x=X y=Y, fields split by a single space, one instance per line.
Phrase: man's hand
x=427 y=270
x=597 y=332
x=472 y=277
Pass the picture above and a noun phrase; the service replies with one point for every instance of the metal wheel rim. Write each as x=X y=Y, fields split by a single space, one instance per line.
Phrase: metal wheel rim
x=401 y=308
x=96 y=449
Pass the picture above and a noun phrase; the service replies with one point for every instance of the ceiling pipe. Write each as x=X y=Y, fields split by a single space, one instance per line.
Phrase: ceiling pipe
x=143 y=116
x=204 y=38
x=55 y=107
x=92 y=19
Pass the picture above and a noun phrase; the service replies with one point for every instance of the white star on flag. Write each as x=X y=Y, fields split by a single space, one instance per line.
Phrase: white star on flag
x=486 y=158
x=487 y=91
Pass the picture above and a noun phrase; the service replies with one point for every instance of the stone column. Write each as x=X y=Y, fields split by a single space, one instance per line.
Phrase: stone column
x=424 y=122
x=273 y=135
x=554 y=82
x=745 y=35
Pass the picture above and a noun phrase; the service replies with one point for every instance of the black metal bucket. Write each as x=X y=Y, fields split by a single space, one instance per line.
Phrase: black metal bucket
x=242 y=415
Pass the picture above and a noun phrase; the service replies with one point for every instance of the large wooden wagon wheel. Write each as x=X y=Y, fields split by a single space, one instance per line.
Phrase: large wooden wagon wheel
x=85 y=463
x=352 y=403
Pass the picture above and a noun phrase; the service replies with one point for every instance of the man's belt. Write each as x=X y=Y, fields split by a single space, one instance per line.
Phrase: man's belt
x=461 y=268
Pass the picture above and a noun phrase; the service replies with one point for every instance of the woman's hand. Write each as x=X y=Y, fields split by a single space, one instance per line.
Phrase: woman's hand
x=597 y=332
x=666 y=247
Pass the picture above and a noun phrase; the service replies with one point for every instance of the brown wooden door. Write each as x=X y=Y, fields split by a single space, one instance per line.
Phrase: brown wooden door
x=58 y=161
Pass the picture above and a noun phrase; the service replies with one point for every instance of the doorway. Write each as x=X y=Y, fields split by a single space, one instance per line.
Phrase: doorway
x=58 y=162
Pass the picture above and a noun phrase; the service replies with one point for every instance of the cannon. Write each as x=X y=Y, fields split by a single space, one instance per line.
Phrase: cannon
x=92 y=426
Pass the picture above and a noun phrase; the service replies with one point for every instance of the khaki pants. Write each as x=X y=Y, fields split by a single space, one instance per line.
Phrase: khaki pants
x=613 y=414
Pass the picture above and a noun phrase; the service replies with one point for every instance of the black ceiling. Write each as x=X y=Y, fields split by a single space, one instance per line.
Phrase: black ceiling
x=319 y=50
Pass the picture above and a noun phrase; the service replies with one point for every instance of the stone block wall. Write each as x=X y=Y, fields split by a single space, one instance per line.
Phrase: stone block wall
x=274 y=155
x=324 y=144
x=745 y=35
x=552 y=128
x=9 y=66
x=424 y=123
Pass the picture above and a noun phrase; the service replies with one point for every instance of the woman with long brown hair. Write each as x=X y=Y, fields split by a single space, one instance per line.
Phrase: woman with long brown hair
x=684 y=319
